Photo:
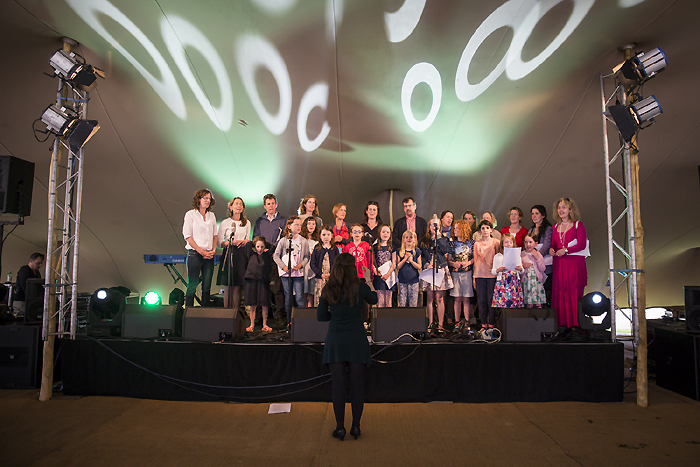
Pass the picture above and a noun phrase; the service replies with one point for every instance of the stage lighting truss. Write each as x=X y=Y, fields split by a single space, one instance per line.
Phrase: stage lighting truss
x=77 y=74
x=67 y=120
x=628 y=109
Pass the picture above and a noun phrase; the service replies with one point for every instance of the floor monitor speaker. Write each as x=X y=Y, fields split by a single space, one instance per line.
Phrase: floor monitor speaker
x=151 y=321
x=212 y=324
x=305 y=326
x=390 y=323
x=527 y=324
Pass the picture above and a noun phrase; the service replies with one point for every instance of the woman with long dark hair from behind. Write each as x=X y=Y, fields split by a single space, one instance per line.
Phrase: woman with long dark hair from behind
x=346 y=350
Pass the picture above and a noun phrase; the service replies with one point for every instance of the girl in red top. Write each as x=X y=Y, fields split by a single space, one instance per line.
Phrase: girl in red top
x=359 y=249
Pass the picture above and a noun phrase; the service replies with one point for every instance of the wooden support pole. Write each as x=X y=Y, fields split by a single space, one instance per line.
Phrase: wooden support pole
x=638 y=232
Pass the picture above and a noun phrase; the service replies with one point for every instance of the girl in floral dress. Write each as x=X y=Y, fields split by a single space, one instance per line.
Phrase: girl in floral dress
x=508 y=292
x=533 y=276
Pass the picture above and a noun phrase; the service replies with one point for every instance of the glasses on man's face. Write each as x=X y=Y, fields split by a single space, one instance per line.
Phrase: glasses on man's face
x=408 y=205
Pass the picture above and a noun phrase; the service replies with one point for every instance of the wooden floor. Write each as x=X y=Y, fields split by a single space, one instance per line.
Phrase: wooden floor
x=106 y=431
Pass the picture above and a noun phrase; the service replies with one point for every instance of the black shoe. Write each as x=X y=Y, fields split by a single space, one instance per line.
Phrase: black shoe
x=340 y=434
x=355 y=431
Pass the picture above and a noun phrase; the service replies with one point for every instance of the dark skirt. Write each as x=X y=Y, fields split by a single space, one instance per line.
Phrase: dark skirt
x=257 y=292
x=238 y=268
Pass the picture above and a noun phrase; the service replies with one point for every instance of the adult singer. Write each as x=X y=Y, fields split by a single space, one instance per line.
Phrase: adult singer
x=234 y=234
x=199 y=230
x=346 y=350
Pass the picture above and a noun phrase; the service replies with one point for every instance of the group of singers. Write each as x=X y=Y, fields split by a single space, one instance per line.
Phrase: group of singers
x=339 y=266
x=467 y=257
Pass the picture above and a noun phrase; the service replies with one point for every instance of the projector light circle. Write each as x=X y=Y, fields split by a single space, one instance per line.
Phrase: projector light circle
x=315 y=96
x=166 y=88
x=516 y=68
x=507 y=14
x=253 y=51
x=101 y=294
x=188 y=35
x=597 y=298
x=421 y=73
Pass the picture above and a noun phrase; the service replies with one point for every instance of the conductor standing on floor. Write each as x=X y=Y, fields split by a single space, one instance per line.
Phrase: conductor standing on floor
x=346 y=350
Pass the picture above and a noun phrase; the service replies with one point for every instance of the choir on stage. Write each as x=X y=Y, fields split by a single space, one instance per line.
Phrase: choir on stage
x=475 y=267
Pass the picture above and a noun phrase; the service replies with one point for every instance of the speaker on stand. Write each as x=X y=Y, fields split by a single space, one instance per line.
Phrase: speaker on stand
x=692 y=309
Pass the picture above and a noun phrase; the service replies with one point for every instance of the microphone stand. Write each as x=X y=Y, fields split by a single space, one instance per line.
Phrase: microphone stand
x=434 y=261
x=228 y=263
x=289 y=279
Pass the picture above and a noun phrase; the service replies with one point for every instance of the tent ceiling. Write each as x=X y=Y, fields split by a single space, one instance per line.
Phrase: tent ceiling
x=462 y=104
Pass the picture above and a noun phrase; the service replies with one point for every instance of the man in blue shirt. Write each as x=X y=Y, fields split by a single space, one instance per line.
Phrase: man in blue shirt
x=270 y=226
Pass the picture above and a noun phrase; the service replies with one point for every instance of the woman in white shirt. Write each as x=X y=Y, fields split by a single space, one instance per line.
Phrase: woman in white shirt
x=234 y=234
x=199 y=230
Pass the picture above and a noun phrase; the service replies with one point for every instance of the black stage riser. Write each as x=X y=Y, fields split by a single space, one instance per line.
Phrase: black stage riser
x=476 y=373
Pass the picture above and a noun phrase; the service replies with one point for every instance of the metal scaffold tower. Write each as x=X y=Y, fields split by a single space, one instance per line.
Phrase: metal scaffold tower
x=627 y=114
x=67 y=120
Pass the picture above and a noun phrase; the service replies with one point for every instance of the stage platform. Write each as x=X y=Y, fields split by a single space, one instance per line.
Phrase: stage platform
x=287 y=372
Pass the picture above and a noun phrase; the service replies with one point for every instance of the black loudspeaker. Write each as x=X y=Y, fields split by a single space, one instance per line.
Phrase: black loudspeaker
x=212 y=324
x=34 y=301
x=692 y=309
x=305 y=326
x=678 y=361
x=19 y=357
x=16 y=184
x=527 y=324
x=151 y=321
x=390 y=323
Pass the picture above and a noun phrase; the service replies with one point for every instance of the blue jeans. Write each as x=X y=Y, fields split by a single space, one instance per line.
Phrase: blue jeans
x=298 y=287
x=196 y=265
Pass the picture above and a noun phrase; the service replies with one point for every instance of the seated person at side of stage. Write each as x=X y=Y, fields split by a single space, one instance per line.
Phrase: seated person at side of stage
x=30 y=270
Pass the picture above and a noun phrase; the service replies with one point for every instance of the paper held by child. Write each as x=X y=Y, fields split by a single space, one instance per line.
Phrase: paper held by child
x=427 y=276
x=511 y=258
x=383 y=269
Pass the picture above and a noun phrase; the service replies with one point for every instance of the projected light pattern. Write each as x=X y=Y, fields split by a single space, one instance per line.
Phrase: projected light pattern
x=188 y=35
x=473 y=128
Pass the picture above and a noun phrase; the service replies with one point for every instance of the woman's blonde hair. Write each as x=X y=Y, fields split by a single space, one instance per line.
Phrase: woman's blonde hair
x=574 y=214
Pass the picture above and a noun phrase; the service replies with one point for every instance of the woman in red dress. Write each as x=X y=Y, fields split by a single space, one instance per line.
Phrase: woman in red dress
x=568 y=265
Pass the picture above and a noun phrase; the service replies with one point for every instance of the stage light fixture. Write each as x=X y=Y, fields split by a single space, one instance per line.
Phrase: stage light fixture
x=176 y=297
x=643 y=66
x=82 y=75
x=151 y=298
x=76 y=131
x=594 y=315
x=105 y=310
x=630 y=118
